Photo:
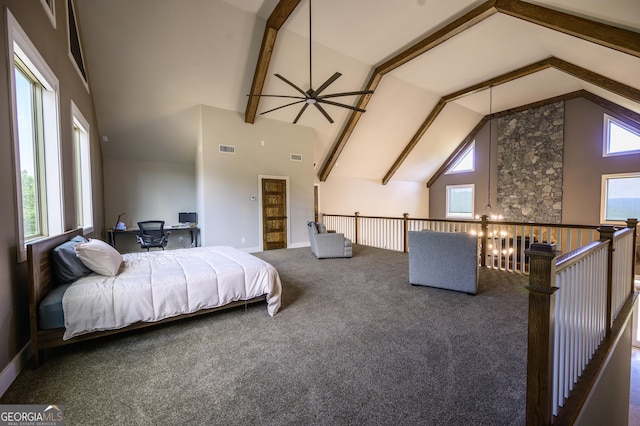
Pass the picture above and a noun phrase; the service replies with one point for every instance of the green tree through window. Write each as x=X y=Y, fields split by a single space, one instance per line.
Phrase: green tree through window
x=29 y=205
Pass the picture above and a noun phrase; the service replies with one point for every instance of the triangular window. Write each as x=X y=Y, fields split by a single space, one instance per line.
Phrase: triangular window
x=620 y=138
x=75 y=48
x=465 y=161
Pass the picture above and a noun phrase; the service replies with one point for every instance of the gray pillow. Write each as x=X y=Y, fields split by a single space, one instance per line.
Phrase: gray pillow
x=322 y=229
x=67 y=266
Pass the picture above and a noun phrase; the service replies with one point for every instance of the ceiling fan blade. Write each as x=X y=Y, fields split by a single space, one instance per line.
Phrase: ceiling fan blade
x=291 y=84
x=336 y=95
x=300 y=113
x=283 y=106
x=342 y=105
x=324 y=112
x=326 y=84
x=277 y=96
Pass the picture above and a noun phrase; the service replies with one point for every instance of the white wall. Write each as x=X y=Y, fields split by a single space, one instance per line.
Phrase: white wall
x=147 y=191
x=341 y=195
x=227 y=182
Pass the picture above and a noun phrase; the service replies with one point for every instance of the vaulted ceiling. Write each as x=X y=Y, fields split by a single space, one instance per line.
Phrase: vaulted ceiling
x=430 y=62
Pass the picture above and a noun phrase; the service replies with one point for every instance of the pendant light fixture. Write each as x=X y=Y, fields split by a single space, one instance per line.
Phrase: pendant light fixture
x=488 y=210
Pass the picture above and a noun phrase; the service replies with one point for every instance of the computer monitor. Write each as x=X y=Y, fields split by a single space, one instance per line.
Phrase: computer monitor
x=184 y=217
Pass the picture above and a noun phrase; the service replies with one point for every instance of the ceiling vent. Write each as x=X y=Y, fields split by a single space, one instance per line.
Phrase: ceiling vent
x=227 y=149
x=296 y=157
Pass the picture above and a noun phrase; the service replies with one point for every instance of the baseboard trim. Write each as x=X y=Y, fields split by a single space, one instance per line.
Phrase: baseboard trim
x=11 y=371
x=290 y=246
x=299 y=245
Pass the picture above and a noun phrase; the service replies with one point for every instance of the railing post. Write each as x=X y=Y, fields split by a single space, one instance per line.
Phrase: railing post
x=405 y=232
x=356 y=214
x=633 y=224
x=606 y=233
x=484 y=230
x=541 y=334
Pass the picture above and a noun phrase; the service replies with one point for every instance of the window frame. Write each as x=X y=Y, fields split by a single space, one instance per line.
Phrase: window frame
x=448 y=189
x=19 y=44
x=607 y=136
x=471 y=147
x=71 y=10
x=82 y=169
x=604 y=198
x=37 y=147
x=50 y=10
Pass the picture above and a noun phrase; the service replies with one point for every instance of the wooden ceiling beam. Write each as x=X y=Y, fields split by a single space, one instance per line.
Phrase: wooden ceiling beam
x=596 y=79
x=595 y=32
x=616 y=38
x=278 y=17
x=501 y=79
x=454 y=28
x=504 y=78
x=621 y=113
x=618 y=110
x=463 y=145
x=472 y=134
x=585 y=75
x=414 y=140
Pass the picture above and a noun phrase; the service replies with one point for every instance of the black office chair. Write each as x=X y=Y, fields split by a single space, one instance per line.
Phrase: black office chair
x=152 y=234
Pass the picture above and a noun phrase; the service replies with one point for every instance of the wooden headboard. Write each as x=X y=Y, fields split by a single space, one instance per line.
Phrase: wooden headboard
x=38 y=257
x=40 y=278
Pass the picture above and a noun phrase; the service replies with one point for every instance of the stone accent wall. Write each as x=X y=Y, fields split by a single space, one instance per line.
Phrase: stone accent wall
x=530 y=161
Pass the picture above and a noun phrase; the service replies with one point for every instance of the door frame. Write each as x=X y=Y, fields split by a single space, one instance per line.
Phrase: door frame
x=260 y=224
x=316 y=203
x=635 y=340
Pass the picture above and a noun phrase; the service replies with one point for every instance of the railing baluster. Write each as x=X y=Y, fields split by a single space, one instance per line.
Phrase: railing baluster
x=508 y=240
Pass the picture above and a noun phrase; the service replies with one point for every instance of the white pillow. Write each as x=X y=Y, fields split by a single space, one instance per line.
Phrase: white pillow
x=99 y=256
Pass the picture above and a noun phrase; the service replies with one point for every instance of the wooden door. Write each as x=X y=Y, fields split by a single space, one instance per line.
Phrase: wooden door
x=315 y=203
x=274 y=214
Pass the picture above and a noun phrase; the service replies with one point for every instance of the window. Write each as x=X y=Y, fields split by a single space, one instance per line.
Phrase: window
x=82 y=162
x=75 y=48
x=620 y=197
x=465 y=162
x=460 y=201
x=28 y=109
x=36 y=140
x=620 y=138
x=50 y=9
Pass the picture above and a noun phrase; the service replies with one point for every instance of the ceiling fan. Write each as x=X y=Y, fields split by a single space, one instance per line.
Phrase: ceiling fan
x=314 y=96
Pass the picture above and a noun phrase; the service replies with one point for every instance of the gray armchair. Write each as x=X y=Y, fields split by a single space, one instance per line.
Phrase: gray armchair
x=327 y=244
x=446 y=260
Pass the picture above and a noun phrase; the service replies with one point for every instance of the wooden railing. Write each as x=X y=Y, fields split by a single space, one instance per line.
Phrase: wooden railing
x=502 y=244
x=579 y=302
x=578 y=305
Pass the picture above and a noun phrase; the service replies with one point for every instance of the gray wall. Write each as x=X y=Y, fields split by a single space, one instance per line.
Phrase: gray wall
x=583 y=167
x=608 y=400
x=147 y=190
x=584 y=163
x=52 y=44
x=479 y=177
x=227 y=182
x=218 y=186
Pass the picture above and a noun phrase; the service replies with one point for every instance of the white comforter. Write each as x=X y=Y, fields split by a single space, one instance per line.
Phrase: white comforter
x=161 y=284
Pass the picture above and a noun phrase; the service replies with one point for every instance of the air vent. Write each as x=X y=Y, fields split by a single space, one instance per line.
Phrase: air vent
x=228 y=149
x=296 y=157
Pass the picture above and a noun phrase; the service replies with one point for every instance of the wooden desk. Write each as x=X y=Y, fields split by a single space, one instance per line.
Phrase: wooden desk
x=194 y=231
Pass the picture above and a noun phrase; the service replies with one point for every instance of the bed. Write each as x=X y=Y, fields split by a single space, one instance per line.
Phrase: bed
x=146 y=289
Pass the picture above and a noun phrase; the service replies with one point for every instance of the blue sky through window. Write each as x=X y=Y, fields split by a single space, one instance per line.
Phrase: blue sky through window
x=621 y=138
x=466 y=162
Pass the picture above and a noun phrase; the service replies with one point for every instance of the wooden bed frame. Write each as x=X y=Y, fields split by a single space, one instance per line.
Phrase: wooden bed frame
x=40 y=281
